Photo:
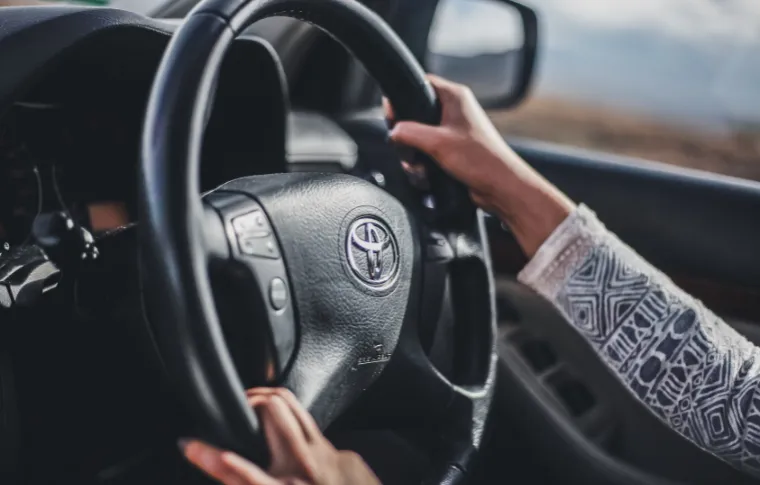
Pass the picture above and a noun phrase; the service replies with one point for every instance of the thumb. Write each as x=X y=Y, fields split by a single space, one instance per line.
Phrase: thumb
x=425 y=138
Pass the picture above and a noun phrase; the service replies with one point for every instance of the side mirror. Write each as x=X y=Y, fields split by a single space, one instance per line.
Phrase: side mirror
x=488 y=45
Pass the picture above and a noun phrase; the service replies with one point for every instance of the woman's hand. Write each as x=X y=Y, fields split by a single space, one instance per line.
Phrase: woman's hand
x=301 y=455
x=468 y=147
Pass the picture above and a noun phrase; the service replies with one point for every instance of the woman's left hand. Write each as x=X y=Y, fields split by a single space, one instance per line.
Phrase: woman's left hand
x=301 y=455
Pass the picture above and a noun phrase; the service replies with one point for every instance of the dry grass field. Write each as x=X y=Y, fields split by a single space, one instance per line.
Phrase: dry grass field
x=561 y=121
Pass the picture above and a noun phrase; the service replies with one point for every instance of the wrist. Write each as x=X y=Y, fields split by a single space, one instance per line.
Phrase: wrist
x=532 y=208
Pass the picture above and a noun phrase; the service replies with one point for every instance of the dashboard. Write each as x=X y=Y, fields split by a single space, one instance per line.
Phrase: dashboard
x=71 y=116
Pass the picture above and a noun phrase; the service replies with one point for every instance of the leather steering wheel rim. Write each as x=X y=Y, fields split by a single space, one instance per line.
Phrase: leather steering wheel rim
x=177 y=292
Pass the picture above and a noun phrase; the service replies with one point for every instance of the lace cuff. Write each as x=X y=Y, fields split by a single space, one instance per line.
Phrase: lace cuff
x=562 y=252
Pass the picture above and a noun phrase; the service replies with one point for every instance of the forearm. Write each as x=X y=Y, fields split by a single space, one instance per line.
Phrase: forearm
x=681 y=361
x=531 y=207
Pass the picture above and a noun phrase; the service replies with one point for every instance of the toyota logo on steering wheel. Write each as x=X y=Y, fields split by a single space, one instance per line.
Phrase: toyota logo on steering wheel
x=372 y=252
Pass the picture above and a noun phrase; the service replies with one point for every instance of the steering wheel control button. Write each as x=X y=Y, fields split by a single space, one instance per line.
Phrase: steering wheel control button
x=372 y=253
x=254 y=235
x=265 y=247
x=278 y=294
x=377 y=178
x=251 y=225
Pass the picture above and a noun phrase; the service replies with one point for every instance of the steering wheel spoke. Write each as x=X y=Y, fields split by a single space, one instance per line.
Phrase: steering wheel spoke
x=247 y=262
x=446 y=398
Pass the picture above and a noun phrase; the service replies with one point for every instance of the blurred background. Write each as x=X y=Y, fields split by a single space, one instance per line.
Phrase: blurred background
x=676 y=81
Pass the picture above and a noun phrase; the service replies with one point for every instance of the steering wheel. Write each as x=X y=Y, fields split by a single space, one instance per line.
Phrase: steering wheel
x=327 y=273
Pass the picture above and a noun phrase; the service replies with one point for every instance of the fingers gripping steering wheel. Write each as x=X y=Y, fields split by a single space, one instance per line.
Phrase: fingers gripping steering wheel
x=332 y=267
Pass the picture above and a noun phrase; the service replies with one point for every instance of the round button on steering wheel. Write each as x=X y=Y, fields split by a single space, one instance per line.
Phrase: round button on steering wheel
x=333 y=268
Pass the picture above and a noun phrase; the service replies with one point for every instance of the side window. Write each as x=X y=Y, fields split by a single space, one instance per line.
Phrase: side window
x=675 y=81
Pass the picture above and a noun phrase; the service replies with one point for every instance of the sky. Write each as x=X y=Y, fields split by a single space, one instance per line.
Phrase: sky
x=692 y=61
x=696 y=21
x=688 y=61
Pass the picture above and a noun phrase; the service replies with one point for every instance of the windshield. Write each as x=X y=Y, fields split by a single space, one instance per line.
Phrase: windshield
x=669 y=80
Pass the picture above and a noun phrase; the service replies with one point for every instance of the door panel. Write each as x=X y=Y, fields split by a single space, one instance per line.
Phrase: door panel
x=701 y=229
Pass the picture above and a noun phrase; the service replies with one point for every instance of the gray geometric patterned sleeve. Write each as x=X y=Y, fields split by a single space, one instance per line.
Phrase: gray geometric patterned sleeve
x=686 y=365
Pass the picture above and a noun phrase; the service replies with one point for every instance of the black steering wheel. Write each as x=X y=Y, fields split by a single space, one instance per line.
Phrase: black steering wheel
x=325 y=273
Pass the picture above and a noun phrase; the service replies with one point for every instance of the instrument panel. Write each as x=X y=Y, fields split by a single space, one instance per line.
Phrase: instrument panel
x=43 y=168
x=71 y=121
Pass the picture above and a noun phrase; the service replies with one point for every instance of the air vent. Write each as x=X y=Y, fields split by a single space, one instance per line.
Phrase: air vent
x=539 y=355
x=576 y=397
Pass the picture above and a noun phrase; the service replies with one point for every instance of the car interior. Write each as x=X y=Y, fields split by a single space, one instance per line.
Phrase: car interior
x=204 y=201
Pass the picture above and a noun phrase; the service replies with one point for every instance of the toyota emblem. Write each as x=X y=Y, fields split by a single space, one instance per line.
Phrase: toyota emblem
x=372 y=252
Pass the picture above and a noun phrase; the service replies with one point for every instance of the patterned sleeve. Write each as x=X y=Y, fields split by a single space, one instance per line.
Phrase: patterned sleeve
x=686 y=365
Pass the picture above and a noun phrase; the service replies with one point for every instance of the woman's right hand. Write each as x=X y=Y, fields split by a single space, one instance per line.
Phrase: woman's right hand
x=469 y=148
